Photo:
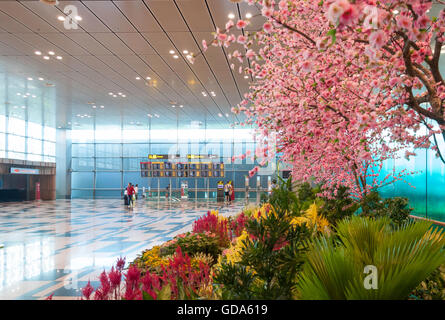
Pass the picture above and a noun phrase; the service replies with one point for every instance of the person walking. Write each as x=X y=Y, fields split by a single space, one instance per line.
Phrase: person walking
x=136 y=191
x=130 y=193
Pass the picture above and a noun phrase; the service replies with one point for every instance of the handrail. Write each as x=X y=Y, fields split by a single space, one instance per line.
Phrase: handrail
x=439 y=223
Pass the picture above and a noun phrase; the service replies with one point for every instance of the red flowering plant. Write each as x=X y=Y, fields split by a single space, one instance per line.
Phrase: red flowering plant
x=213 y=223
x=177 y=280
x=238 y=224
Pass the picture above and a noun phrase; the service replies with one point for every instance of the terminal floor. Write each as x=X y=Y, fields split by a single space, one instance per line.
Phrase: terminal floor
x=55 y=247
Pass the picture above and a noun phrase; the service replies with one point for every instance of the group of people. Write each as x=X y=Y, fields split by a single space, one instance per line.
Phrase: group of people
x=229 y=192
x=131 y=195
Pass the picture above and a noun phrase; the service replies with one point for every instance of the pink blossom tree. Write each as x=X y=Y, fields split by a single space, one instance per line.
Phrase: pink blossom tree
x=345 y=84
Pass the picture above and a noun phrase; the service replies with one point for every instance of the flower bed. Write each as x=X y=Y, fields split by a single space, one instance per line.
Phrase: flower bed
x=288 y=248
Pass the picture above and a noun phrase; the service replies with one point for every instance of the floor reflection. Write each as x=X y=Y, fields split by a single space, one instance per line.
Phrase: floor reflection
x=58 y=246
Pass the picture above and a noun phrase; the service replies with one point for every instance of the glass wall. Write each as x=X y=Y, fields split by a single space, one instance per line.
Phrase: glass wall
x=106 y=158
x=27 y=120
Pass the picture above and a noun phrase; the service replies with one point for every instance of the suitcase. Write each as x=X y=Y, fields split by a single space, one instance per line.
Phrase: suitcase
x=126 y=200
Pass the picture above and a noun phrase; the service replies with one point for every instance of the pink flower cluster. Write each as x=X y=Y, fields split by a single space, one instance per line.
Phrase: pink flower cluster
x=345 y=85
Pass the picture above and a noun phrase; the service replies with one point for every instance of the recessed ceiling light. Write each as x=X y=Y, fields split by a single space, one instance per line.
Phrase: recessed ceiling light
x=30 y=79
x=189 y=56
x=149 y=115
x=175 y=56
x=38 y=53
x=148 y=78
x=156 y=115
x=248 y=15
x=231 y=16
x=46 y=57
x=110 y=93
x=114 y=96
x=181 y=106
x=23 y=107
x=34 y=96
x=185 y=51
x=19 y=94
x=246 y=77
x=94 y=107
x=51 y=53
x=124 y=96
x=102 y=107
x=138 y=78
x=59 y=58
x=119 y=93
x=220 y=115
x=172 y=51
x=78 y=18
x=227 y=115
x=41 y=79
x=173 y=106
x=61 y=18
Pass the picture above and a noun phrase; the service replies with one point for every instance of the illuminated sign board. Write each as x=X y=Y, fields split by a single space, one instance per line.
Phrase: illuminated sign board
x=163 y=156
x=24 y=171
x=202 y=156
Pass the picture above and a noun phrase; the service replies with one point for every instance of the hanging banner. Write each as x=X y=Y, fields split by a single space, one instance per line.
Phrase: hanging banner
x=24 y=171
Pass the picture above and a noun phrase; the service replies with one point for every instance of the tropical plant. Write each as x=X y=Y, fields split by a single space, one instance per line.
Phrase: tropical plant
x=397 y=208
x=403 y=257
x=265 y=262
x=433 y=287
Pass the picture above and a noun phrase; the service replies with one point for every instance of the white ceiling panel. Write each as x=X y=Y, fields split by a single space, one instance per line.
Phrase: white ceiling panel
x=117 y=41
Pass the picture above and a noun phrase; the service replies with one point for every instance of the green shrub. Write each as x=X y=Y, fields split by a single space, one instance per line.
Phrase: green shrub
x=404 y=257
x=192 y=244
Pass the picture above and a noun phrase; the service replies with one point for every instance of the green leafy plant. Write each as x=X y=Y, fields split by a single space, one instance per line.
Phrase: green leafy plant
x=339 y=206
x=404 y=256
x=192 y=244
x=269 y=261
x=433 y=287
x=397 y=209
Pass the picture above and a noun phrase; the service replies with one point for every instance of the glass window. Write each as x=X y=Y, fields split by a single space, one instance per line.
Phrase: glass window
x=16 y=155
x=16 y=126
x=49 y=134
x=82 y=163
x=82 y=180
x=49 y=148
x=108 y=180
x=82 y=150
x=108 y=150
x=34 y=130
x=16 y=143
x=2 y=141
x=136 y=150
x=108 y=163
x=2 y=123
x=34 y=157
x=34 y=146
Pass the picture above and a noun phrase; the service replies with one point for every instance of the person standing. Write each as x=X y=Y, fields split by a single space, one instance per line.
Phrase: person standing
x=226 y=192
x=136 y=191
x=167 y=191
x=232 y=192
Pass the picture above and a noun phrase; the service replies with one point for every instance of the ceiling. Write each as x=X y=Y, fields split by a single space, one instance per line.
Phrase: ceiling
x=118 y=41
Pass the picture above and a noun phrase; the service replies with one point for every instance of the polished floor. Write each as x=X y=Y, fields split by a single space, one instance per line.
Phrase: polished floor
x=55 y=247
